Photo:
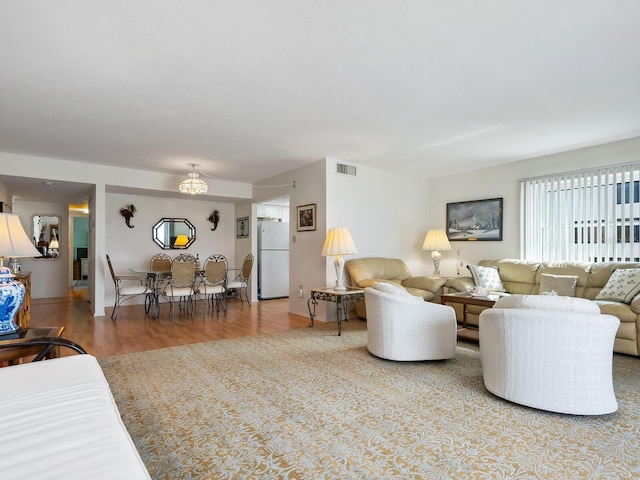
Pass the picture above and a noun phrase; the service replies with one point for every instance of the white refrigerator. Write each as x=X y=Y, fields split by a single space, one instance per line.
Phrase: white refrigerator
x=273 y=260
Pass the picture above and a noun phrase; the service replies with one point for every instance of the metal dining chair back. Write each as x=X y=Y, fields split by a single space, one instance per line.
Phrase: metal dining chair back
x=241 y=282
x=160 y=262
x=213 y=286
x=181 y=286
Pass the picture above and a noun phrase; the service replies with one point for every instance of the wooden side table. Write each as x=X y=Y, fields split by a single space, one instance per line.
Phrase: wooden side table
x=13 y=356
x=23 y=317
x=342 y=299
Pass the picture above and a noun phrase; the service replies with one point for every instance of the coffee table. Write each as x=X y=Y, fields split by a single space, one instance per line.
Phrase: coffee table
x=465 y=298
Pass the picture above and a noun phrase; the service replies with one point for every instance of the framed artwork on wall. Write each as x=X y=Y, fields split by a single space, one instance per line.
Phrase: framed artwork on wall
x=479 y=220
x=242 y=227
x=306 y=217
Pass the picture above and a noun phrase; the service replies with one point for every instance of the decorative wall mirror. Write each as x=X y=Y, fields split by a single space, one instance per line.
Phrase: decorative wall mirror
x=174 y=233
x=46 y=235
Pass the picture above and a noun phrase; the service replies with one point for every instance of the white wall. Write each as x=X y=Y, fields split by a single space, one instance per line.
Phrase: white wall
x=133 y=247
x=387 y=214
x=503 y=181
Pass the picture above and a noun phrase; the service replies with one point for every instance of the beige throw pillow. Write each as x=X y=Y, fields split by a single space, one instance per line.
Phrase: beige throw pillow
x=563 y=285
x=623 y=285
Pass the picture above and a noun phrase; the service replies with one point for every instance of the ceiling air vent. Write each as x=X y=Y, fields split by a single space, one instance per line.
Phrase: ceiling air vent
x=343 y=169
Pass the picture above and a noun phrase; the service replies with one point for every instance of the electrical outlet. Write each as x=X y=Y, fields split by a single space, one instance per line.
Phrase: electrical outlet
x=301 y=292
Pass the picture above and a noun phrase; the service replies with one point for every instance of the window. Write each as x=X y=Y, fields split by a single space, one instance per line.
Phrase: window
x=589 y=215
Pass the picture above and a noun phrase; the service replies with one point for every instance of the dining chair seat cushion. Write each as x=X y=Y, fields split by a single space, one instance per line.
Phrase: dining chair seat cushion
x=207 y=289
x=178 y=291
x=235 y=284
x=133 y=290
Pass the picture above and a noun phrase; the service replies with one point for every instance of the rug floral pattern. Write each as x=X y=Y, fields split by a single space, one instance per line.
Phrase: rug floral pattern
x=307 y=404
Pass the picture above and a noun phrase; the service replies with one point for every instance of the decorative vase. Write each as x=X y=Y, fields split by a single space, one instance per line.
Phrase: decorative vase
x=11 y=297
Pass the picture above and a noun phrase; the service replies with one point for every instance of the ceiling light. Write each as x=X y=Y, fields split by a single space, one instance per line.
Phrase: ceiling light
x=193 y=184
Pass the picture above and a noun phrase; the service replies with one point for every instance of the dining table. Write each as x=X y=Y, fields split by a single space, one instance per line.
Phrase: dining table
x=154 y=282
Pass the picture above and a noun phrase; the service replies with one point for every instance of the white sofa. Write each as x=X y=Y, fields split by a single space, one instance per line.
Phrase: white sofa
x=59 y=420
x=550 y=353
x=403 y=327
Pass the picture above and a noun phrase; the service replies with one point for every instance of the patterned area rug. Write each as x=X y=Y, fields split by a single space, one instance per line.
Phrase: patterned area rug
x=307 y=404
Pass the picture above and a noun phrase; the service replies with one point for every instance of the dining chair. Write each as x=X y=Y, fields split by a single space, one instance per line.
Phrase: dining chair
x=127 y=287
x=160 y=262
x=213 y=287
x=240 y=282
x=181 y=285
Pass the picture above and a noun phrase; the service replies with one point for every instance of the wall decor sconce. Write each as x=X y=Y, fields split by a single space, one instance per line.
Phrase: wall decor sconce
x=214 y=218
x=127 y=212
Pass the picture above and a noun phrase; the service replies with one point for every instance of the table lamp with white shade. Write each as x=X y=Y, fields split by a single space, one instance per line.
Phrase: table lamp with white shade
x=337 y=243
x=435 y=241
x=14 y=242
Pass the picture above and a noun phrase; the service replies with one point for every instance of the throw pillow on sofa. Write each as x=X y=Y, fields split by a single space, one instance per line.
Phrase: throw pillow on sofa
x=623 y=285
x=563 y=285
x=487 y=278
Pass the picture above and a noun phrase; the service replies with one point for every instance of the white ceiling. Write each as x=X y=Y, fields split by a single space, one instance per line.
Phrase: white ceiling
x=248 y=89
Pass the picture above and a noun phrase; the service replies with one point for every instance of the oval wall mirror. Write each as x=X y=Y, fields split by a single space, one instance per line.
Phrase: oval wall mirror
x=46 y=235
x=174 y=233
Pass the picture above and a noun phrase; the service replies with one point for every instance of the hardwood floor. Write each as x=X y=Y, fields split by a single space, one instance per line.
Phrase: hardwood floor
x=134 y=331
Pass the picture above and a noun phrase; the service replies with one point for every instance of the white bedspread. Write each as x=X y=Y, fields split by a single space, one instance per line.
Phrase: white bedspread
x=58 y=420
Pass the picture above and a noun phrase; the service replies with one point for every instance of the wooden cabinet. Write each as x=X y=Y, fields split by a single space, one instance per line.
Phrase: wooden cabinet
x=23 y=317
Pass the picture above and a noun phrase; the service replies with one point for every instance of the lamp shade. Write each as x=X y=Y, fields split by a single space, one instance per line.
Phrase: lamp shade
x=54 y=244
x=14 y=241
x=181 y=241
x=436 y=240
x=338 y=242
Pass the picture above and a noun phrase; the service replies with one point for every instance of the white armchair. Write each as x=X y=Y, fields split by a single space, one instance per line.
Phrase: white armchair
x=404 y=327
x=551 y=353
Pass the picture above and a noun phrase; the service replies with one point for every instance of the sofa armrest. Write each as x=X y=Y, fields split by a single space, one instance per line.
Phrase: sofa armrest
x=635 y=304
x=431 y=284
x=461 y=284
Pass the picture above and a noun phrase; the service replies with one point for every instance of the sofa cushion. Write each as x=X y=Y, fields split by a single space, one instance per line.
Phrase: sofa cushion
x=487 y=278
x=564 y=285
x=548 y=302
x=623 y=285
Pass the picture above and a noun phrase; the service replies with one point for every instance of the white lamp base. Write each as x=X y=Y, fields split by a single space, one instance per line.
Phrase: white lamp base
x=435 y=255
x=338 y=263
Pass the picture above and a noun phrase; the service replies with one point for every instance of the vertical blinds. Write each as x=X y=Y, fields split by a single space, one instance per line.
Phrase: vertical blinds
x=588 y=215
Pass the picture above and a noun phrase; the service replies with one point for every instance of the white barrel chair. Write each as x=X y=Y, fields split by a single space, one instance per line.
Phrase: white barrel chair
x=552 y=353
x=403 y=327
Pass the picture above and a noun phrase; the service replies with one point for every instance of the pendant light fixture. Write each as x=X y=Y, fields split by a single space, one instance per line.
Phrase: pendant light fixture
x=193 y=185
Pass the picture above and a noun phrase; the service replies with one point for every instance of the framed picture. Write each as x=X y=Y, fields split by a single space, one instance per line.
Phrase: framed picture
x=479 y=220
x=306 y=217
x=242 y=227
